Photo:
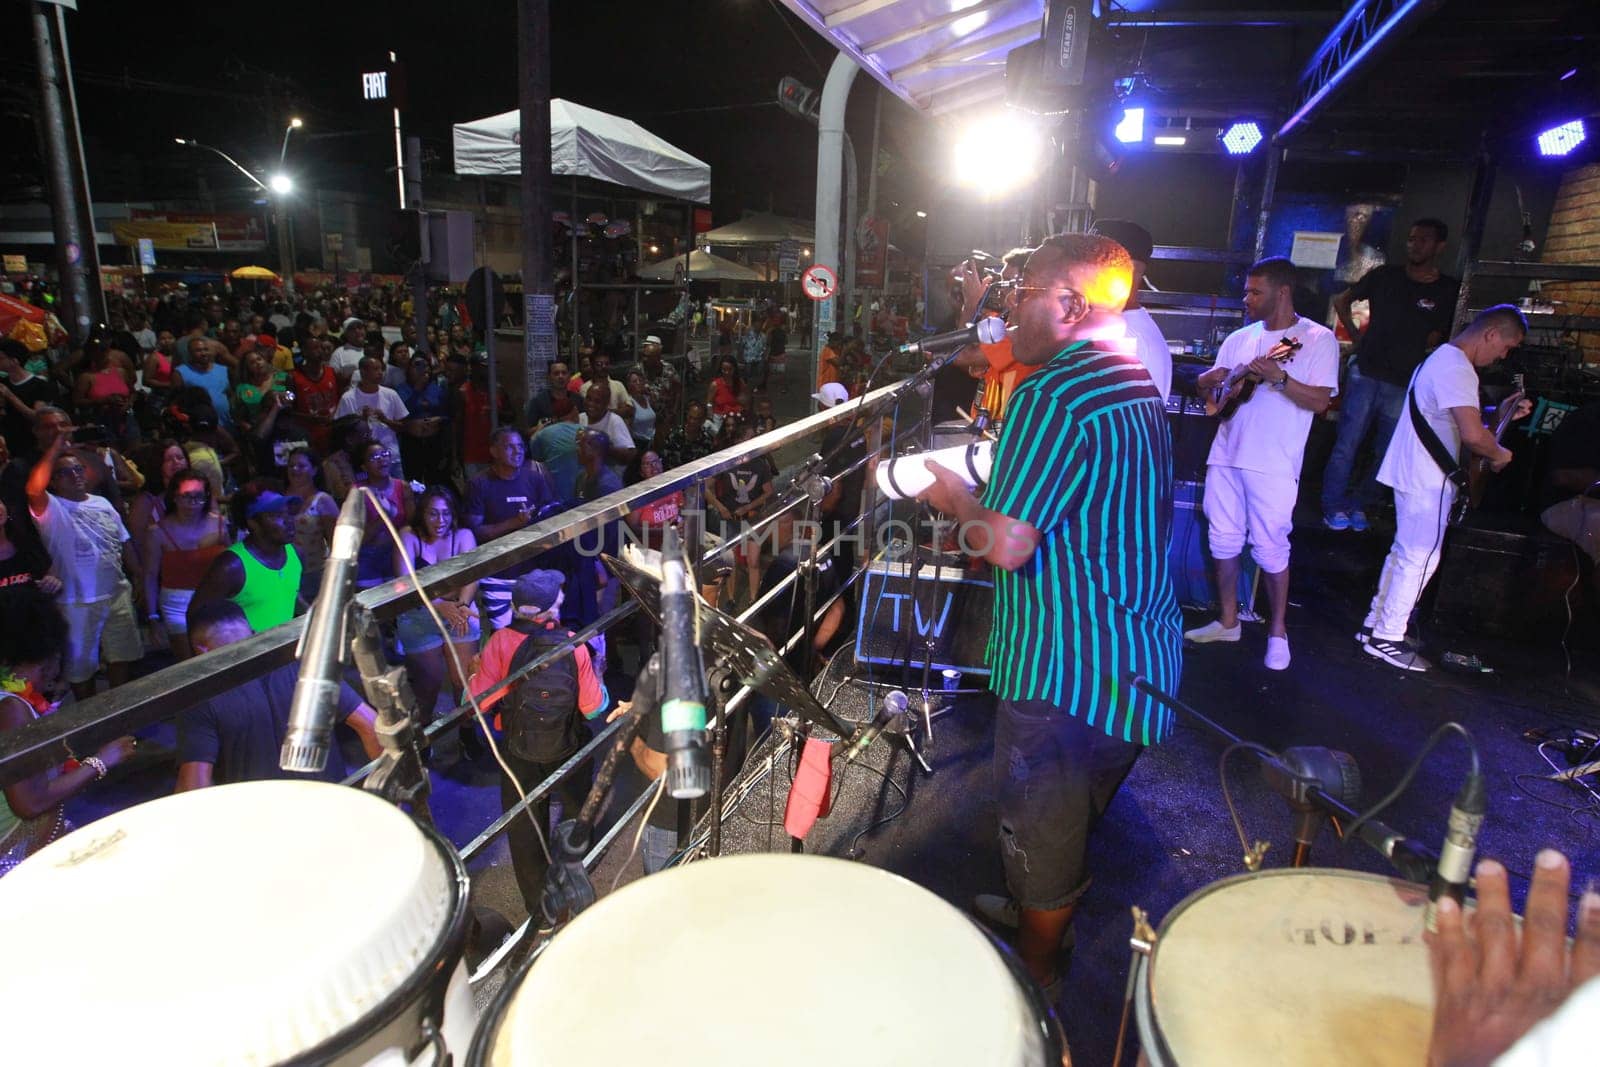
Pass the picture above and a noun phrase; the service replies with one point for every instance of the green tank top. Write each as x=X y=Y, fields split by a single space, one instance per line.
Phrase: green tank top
x=268 y=595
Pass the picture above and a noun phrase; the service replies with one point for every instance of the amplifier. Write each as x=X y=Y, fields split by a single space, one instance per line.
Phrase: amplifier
x=1192 y=432
x=946 y=609
x=1189 y=555
x=1504 y=577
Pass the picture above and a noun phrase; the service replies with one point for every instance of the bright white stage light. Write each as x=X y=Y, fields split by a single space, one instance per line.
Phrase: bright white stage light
x=281 y=184
x=1131 y=129
x=998 y=154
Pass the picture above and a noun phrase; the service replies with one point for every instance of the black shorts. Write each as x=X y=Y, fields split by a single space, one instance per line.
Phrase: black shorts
x=1055 y=777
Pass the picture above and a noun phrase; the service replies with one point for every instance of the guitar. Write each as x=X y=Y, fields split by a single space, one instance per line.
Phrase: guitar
x=1478 y=470
x=1238 y=386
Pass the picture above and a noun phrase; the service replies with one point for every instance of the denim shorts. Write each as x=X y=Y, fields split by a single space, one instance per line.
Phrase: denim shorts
x=1055 y=777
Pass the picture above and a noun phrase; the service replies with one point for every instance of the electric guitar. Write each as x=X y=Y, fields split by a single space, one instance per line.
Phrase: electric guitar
x=1478 y=469
x=1238 y=386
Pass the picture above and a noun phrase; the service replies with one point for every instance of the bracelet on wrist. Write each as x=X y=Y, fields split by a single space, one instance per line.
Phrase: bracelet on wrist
x=96 y=764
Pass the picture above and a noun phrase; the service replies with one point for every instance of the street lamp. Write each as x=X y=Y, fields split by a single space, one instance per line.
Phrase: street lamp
x=294 y=124
x=281 y=185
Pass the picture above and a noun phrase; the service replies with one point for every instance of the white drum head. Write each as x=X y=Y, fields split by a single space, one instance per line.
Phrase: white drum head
x=241 y=924
x=769 y=959
x=1315 y=968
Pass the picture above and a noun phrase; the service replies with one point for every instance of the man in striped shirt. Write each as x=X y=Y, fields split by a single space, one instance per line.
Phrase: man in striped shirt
x=1075 y=521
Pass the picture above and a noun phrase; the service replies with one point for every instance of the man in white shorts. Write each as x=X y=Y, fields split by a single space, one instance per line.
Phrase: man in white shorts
x=1253 y=471
x=89 y=548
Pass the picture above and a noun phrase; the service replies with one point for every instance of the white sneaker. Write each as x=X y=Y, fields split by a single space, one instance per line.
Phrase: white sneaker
x=1277 y=653
x=1213 y=631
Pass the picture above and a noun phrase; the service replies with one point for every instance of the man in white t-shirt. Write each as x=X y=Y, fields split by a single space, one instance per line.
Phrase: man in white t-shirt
x=382 y=407
x=1253 y=471
x=596 y=417
x=346 y=359
x=1149 y=345
x=92 y=556
x=1446 y=392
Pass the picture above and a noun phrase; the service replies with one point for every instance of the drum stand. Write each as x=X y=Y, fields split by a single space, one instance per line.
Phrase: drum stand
x=399 y=776
x=1142 y=942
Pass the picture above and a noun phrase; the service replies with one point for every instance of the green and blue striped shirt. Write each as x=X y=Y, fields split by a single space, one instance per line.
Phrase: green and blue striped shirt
x=1085 y=458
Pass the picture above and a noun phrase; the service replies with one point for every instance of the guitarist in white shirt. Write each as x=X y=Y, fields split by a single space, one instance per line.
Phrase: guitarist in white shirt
x=1253 y=471
x=1446 y=390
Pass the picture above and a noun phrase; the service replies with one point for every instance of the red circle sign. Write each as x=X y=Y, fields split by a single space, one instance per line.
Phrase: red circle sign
x=818 y=282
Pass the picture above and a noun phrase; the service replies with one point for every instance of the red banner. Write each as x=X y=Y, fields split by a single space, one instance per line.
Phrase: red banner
x=872 y=264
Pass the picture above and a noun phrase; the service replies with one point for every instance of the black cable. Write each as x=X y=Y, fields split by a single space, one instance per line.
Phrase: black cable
x=1411 y=772
x=905 y=803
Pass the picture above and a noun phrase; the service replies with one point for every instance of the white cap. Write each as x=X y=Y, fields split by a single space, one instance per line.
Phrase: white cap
x=652 y=339
x=831 y=394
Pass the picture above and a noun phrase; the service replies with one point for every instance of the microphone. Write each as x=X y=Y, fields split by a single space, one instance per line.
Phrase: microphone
x=683 y=694
x=322 y=648
x=986 y=331
x=1460 y=845
x=894 y=706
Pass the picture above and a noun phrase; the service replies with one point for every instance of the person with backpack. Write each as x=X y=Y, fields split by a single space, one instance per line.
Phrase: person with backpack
x=540 y=717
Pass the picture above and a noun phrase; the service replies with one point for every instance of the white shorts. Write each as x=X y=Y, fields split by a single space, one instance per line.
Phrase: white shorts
x=1241 y=505
x=173 y=607
x=101 y=628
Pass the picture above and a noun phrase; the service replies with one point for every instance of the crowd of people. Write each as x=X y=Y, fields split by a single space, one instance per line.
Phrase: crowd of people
x=172 y=486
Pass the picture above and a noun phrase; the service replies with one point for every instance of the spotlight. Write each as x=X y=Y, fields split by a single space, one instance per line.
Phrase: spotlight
x=1241 y=138
x=1130 y=129
x=281 y=184
x=1171 y=140
x=1562 y=139
x=922 y=214
x=998 y=155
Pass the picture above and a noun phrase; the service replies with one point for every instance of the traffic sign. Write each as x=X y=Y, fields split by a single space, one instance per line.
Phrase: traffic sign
x=819 y=282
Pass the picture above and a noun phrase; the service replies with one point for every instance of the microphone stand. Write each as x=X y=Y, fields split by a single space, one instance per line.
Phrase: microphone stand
x=1414 y=862
x=567 y=889
x=399 y=777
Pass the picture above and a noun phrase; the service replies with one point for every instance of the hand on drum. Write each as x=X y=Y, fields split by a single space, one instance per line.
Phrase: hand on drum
x=1493 y=981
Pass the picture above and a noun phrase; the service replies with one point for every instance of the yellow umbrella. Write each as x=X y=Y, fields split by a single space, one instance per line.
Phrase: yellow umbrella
x=260 y=274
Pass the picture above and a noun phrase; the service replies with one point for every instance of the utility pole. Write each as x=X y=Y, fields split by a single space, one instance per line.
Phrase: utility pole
x=70 y=208
x=418 y=275
x=533 y=97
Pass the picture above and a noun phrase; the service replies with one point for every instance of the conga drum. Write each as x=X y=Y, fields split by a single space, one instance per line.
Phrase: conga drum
x=258 y=923
x=774 y=959
x=1310 y=967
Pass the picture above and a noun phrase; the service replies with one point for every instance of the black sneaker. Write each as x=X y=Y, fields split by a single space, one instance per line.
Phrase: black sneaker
x=1395 y=654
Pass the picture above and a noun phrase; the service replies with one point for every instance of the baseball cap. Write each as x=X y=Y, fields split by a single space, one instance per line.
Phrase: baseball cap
x=652 y=339
x=352 y=321
x=537 y=590
x=831 y=394
x=1130 y=235
x=266 y=501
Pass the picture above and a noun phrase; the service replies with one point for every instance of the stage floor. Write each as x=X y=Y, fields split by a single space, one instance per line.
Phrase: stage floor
x=1168 y=833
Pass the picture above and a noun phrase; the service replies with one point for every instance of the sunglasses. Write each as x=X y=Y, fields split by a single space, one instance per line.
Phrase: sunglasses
x=1017 y=293
x=382 y=453
x=198 y=497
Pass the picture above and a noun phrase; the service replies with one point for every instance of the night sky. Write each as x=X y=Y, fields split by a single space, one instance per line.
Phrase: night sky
x=703 y=75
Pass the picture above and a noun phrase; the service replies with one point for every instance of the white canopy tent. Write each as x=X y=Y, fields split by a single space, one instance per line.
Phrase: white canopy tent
x=703 y=267
x=585 y=143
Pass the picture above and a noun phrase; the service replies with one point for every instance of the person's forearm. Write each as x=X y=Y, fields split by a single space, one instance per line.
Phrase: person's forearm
x=1481 y=443
x=1313 y=398
x=1341 y=308
x=488 y=531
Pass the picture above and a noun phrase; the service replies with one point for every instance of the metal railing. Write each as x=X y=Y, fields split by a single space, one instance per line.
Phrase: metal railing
x=82 y=727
